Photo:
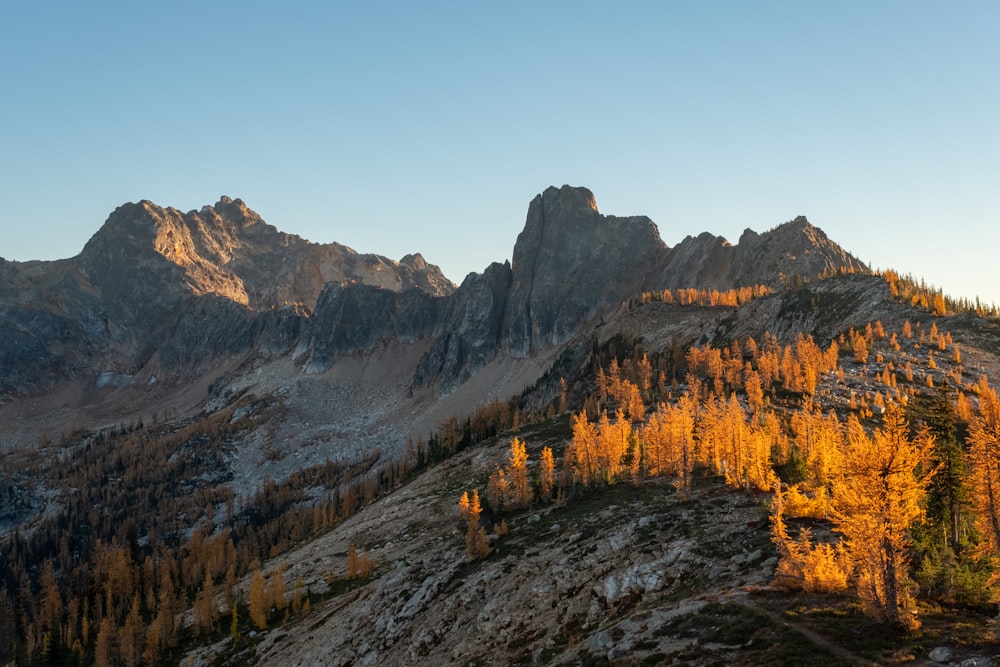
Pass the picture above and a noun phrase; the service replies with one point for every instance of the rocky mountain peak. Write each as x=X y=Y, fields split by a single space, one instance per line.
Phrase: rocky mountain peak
x=571 y=264
x=227 y=250
x=567 y=198
x=748 y=236
x=416 y=260
x=568 y=263
x=163 y=245
x=169 y=292
x=795 y=247
x=231 y=211
x=800 y=230
x=804 y=249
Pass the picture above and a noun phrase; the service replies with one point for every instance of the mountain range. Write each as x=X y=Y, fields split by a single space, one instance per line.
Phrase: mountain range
x=161 y=297
x=211 y=401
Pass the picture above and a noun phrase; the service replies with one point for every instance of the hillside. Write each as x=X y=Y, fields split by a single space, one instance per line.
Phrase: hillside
x=627 y=573
x=153 y=483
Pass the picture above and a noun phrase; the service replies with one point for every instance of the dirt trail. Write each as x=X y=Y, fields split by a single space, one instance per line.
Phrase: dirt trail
x=837 y=649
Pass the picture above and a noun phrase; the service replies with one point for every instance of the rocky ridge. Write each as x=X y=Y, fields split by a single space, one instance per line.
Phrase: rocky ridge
x=795 y=248
x=229 y=251
x=169 y=300
x=161 y=294
x=572 y=265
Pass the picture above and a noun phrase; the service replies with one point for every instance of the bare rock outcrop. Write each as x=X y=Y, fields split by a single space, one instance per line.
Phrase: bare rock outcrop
x=572 y=266
x=570 y=262
x=471 y=332
x=355 y=318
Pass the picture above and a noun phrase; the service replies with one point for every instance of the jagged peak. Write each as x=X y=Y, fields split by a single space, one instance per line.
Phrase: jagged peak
x=226 y=209
x=800 y=230
x=568 y=216
x=133 y=208
x=571 y=194
x=171 y=231
x=228 y=250
x=706 y=238
x=748 y=235
x=799 y=223
x=131 y=220
x=414 y=259
x=236 y=211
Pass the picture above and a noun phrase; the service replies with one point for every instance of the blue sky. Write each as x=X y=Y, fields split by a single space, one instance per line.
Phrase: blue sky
x=428 y=127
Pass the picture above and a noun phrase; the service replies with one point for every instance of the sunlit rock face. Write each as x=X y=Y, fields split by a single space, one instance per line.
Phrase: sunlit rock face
x=227 y=250
x=170 y=292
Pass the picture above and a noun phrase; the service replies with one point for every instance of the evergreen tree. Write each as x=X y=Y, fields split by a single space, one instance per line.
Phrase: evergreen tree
x=947 y=495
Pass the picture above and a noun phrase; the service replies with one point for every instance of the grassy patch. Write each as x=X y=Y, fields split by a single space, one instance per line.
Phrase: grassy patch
x=546 y=432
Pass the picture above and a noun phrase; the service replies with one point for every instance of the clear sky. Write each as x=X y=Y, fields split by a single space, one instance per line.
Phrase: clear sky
x=398 y=127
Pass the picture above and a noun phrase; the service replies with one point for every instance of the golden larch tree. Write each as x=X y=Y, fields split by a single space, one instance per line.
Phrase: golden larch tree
x=260 y=607
x=276 y=589
x=654 y=444
x=103 y=645
x=613 y=442
x=359 y=564
x=860 y=349
x=876 y=497
x=984 y=460
x=681 y=419
x=519 y=489
x=470 y=508
x=498 y=489
x=546 y=475
x=205 y=611
x=754 y=389
x=130 y=636
x=758 y=471
x=631 y=402
x=711 y=436
x=582 y=451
